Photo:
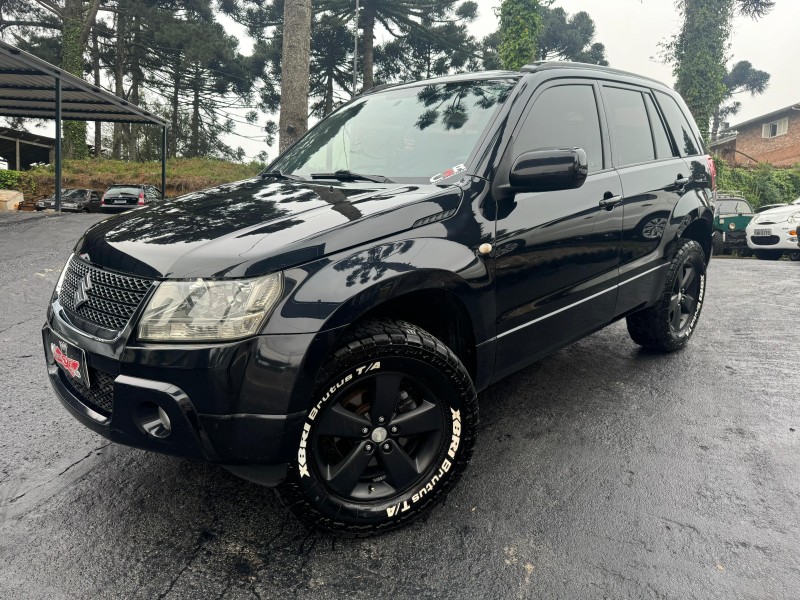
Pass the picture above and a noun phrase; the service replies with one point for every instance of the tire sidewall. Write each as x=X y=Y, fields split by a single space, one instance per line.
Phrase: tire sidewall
x=694 y=254
x=444 y=470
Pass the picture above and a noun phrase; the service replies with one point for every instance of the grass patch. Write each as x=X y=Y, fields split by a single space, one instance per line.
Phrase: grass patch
x=184 y=175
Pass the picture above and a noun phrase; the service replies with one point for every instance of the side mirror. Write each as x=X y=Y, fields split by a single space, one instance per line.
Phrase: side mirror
x=549 y=170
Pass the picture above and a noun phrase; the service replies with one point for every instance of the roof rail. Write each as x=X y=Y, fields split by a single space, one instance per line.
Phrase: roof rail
x=731 y=194
x=545 y=65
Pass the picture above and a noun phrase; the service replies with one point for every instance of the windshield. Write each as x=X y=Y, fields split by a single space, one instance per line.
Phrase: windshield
x=123 y=190
x=729 y=207
x=406 y=134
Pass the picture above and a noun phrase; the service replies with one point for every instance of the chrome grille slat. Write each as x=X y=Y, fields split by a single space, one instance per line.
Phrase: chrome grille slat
x=112 y=299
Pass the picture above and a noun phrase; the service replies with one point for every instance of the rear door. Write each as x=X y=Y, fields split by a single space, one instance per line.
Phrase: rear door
x=653 y=178
x=557 y=253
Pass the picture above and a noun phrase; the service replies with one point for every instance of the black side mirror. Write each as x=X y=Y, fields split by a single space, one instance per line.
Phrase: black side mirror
x=549 y=170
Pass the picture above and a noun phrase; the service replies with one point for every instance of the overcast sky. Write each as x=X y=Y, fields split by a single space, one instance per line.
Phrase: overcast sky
x=631 y=31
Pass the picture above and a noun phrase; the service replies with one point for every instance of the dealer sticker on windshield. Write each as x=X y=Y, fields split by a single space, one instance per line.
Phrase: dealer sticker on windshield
x=449 y=173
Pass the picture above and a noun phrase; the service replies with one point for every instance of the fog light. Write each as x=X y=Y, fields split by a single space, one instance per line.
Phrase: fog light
x=153 y=420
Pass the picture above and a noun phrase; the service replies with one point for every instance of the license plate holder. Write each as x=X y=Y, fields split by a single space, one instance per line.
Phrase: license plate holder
x=763 y=232
x=70 y=359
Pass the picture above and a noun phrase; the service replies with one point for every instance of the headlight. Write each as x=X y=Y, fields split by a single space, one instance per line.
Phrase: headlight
x=732 y=226
x=206 y=310
x=795 y=218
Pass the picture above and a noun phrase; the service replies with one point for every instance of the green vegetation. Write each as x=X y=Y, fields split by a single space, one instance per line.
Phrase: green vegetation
x=521 y=25
x=184 y=175
x=761 y=185
x=9 y=180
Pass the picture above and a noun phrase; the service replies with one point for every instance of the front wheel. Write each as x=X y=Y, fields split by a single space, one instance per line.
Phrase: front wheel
x=390 y=431
x=669 y=324
x=794 y=256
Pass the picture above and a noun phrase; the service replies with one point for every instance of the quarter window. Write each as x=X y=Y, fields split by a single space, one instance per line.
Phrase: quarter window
x=630 y=127
x=663 y=146
x=681 y=130
x=564 y=117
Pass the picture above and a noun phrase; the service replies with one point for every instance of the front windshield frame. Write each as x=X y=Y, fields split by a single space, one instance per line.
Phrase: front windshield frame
x=495 y=112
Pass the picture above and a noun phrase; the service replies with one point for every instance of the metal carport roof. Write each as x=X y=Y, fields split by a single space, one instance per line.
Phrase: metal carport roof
x=33 y=88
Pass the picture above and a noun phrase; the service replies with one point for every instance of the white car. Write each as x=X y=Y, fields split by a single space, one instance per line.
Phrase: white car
x=774 y=232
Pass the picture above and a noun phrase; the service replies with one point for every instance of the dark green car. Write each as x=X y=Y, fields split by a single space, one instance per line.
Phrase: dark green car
x=731 y=217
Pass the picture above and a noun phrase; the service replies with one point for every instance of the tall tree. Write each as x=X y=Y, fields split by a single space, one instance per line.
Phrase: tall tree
x=444 y=48
x=398 y=17
x=521 y=25
x=698 y=52
x=740 y=79
x=331 y=55
x=296 y=68
x=569 y=37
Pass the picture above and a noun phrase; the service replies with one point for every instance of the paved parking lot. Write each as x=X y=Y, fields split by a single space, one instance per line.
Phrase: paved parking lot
x=601 y=472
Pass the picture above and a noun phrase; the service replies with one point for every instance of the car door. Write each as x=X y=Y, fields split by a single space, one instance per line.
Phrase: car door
x=654 y=178
x=94 y=201
x=557 y=253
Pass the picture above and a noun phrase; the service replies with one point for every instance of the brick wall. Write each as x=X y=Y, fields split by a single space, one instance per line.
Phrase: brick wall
x=782 y=151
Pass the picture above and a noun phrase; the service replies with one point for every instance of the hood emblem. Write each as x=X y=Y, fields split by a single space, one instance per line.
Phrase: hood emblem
x=82 y=293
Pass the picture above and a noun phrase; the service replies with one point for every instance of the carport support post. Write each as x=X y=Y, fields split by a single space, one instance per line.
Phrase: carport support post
x=163 y=162
x=58 y=144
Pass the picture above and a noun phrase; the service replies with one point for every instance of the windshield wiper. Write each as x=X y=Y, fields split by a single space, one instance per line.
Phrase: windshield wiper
x=277 y=174
x=345 y=175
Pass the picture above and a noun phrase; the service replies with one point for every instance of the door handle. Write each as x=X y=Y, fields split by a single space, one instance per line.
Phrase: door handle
x=610 y=201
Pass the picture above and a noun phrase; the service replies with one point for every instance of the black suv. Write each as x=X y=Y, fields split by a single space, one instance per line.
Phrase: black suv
x=124 y=196
x=325 y=327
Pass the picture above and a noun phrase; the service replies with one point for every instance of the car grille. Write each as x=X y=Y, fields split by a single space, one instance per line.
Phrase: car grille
x=99 y=397
x=111 y=299
x=765 y=240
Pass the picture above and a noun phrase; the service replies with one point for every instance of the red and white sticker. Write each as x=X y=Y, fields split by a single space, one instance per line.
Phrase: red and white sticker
x=449 y=173
x=71 y=366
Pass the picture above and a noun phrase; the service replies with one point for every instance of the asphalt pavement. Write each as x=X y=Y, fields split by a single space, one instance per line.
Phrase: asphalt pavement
x=603 y=471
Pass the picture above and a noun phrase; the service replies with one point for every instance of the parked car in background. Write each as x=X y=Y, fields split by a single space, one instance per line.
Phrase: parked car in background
x=73 y=200
x=767 y=207
x=773 y=233
x=327 y=325
x=731 y=217
x=123 y=196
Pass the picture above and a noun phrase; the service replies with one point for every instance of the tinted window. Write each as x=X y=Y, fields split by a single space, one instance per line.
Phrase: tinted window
x=630 y=127
x=679 y=126
x=663 y=146
x=564 y=117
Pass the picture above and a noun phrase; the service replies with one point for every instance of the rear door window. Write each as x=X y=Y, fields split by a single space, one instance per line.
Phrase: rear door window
x=679 y=125
x=564 y=116
x=630 y=127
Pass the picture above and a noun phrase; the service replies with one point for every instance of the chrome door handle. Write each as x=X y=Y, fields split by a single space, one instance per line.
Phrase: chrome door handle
x=610 y=202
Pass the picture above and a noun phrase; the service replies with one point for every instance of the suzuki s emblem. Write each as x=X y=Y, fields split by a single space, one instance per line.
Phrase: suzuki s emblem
x=82 y=293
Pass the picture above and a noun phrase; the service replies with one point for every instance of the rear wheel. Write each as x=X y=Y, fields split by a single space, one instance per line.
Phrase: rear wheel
x=390 y=431
x=669 y=324
x=768 y=254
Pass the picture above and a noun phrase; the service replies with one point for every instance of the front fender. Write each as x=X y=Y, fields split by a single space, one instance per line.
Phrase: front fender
x=336 y=291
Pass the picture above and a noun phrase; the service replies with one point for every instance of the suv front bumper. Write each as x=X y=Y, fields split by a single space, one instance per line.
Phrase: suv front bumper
x=240 y=405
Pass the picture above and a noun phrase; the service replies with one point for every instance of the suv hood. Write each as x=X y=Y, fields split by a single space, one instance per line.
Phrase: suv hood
x=257 y=226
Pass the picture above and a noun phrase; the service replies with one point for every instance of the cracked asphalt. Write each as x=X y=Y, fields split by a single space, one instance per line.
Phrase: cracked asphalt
x=601 y=472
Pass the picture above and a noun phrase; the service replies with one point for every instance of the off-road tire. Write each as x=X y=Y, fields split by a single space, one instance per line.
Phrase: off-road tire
x=651 y=327
x=396 y=347
x=768 y=254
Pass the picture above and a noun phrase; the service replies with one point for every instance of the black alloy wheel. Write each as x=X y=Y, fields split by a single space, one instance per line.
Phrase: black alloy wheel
x=683 y=302
x=389 y=432
x=669 y=324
